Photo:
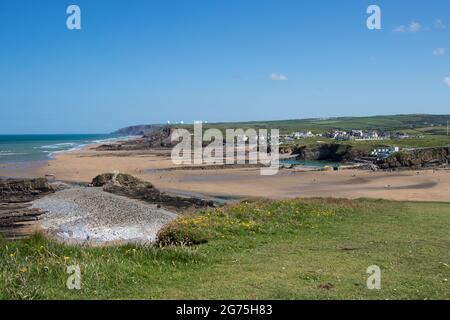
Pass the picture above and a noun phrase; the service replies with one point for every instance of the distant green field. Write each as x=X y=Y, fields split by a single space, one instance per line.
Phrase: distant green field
x=426 y=130
x=295 y=249
x=428 y=141
x=383 y=123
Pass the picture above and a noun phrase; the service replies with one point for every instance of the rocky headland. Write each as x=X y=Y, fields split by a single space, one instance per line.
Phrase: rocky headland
x=153 y=137
x=417 y=158
x=407 y=159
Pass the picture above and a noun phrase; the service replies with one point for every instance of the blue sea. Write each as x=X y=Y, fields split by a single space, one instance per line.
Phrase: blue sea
x=24 y=148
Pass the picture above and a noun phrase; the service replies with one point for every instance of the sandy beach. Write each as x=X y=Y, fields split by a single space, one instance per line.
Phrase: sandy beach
x=83 y=165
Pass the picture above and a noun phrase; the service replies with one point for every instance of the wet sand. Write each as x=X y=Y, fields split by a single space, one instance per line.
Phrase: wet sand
x=83 y=165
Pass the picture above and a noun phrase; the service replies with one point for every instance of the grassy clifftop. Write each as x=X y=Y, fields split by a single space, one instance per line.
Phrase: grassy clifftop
x=422 y=122
x=313 y=249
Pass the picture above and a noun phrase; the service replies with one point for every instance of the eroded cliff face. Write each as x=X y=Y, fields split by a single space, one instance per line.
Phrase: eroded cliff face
x=419 y=158
x=17 y=217
x=14 y=189
x=329 y=152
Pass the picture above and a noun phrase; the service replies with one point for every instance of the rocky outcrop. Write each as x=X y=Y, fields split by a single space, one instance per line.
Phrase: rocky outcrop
x=334 y=152
x=138 y=130
x=20 y=190
x=17 y=217
x=132 y=187
x=159 y=138
x=156 y=138
x=122 y=180
x=419 y=158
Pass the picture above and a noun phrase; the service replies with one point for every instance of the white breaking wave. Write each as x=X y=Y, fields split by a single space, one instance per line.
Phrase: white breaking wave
x=57 y=145
x=3 y=153
x=35 y=150
x=78 y=147
x=114 y=139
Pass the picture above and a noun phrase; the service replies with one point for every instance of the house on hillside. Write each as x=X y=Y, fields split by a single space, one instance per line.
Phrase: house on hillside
x=384 y=152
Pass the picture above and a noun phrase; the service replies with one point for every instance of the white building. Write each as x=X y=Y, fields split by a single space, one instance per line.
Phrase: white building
x=383 y=153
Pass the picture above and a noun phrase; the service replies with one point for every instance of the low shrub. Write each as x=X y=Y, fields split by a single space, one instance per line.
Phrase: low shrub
x=179 y=232
x=250 y=218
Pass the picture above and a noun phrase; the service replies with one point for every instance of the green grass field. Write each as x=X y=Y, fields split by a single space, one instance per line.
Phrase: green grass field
x=425 y=130
x=259 y=250
x=410 y=123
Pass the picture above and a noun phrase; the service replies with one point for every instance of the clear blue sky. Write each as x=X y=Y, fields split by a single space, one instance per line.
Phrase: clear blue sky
x=151 y=61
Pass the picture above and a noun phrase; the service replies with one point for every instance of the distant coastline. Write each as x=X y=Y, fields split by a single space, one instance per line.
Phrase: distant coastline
x=16 y=149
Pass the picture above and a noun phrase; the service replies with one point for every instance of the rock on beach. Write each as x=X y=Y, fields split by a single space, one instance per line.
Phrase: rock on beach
x=91 y=215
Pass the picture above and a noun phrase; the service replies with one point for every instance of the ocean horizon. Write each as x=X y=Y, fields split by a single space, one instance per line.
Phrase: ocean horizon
x=35 y=147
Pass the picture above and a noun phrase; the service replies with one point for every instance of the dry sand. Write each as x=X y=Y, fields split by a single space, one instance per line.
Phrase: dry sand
x=83 y=165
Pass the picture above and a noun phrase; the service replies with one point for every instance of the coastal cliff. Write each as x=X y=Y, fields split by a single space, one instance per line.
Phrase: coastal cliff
x=153 y=137
x=334 y=152
x=138 y=130
x=19 y=190
x=418 y=158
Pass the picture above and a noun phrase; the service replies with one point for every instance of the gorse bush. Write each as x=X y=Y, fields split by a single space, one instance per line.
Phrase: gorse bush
x=182 y=231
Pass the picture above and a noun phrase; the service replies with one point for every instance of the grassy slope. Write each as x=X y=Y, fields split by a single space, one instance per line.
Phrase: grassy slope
x=404 y=123
x=261 y=250
x=368 y=145
x=415 y=125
